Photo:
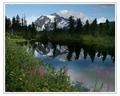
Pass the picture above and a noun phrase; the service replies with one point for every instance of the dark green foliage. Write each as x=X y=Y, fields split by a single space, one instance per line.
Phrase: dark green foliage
x=22 y=22
x=7 y=23
x=107 y=26
x=13 y=23
x=18 y=26
x=101 y=28
x=71 y=24
x=93 y=27
x=18 y=66
x=79 y=26
x=55 y=25
x=86 y=28
x=112 y=29
x=17 y=23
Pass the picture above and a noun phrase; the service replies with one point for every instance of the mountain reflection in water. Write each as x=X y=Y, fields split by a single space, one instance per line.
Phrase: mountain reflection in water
x=84 y=64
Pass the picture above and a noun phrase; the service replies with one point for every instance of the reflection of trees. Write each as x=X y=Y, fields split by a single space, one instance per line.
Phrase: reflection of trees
x=88 y=49
x=92 y=49
x=112 y=53
x=98 y=55
x=85 y=48
x=77 y=52
x=70 y=49
x=85 y=54
x=104 y=53
x=92 y=52
x=54 y=50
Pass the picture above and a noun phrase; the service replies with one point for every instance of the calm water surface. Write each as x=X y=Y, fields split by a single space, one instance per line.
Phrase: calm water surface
x=88 y=66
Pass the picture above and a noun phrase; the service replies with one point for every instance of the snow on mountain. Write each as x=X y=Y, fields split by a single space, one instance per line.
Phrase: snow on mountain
x=67 y=14
x=51 y=17
x=101 y=20
x=62 y=24
x=30 y=19
x=47 y=22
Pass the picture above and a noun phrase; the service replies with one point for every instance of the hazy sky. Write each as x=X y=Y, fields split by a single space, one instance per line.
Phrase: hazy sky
x=33 y=11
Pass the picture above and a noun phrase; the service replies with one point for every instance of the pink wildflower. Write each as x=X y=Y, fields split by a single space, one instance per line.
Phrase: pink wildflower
x=109 y=87
x=40 y=71
x=107 y=70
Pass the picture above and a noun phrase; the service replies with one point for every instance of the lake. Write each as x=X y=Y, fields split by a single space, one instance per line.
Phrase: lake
x=91 y=66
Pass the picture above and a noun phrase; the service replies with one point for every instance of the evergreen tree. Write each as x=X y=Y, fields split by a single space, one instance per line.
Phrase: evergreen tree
x=79 y=26
x=33 y=27
x=29 y=32
x=71 y=24
x=94 y=27
x=101 y=28
x=7 y=23
x=22 y=22
x=86 y=27
x=18 y=22
x=13 y=23
x=112 y=29
x=55 y=25
x=107 y=26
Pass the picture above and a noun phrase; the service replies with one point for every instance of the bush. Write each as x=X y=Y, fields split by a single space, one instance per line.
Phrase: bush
x=18 y=65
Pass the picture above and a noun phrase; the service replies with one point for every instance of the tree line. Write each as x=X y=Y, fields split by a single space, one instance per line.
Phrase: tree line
x=76 y=26
x=18 y=26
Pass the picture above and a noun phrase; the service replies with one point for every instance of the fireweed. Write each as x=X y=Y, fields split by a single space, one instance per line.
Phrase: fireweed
x=106 y=71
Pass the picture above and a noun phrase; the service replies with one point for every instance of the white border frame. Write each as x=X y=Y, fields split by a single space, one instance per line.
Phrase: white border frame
x=115 y=3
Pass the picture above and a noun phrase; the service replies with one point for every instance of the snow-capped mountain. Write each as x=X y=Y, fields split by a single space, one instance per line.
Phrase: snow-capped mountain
x=47 y=22
x=101 y=20
x=67 y=13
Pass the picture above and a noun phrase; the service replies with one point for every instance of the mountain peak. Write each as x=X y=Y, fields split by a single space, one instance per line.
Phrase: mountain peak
x=46 y=22
x=54 y=14
x=101 y=20
x=76 y=15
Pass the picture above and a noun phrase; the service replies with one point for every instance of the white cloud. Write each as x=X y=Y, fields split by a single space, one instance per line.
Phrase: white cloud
x=67 y=14
x=101 y=20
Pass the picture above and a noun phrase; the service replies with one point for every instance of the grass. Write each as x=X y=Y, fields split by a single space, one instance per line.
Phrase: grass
x=78 y=39
x=18 y=65
x=101 y=41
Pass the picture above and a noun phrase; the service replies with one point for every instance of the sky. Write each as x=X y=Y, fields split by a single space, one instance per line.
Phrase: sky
x=33 y=11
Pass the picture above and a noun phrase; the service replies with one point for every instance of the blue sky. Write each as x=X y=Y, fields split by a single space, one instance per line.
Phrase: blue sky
x=36 y=10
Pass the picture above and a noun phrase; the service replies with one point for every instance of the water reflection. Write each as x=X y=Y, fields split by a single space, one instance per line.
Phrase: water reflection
x=81 y=62
x=73 y=51
x=84 y=69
